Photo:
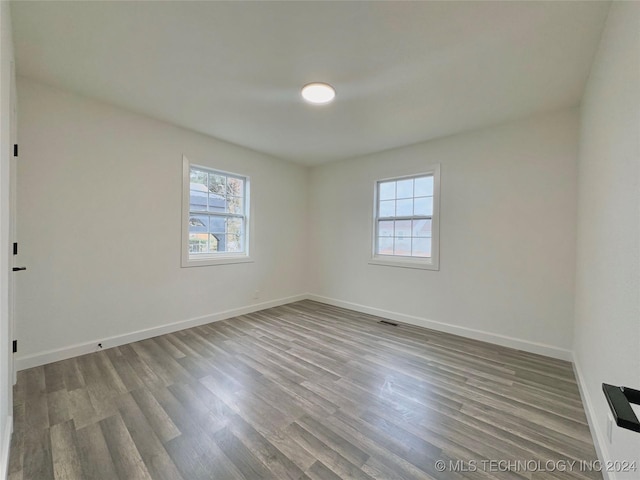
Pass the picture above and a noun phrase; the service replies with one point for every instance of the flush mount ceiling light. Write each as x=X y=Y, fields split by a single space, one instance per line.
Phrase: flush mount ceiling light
x=318 y=93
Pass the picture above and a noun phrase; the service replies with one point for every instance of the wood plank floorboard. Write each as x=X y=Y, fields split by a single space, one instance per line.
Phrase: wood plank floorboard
x=301 y=391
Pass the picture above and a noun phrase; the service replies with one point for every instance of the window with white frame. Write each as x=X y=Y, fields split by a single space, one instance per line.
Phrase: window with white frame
x=215 y=224
x=406 y=220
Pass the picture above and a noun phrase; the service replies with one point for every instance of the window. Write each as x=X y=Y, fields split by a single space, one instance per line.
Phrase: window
x=215 y=224
x=406 y=221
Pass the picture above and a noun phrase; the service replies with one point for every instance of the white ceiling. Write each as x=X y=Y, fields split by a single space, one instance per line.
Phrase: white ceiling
x=404 y=72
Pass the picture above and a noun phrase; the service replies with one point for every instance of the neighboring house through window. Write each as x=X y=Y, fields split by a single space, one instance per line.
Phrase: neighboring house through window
x=215 y=223
x=406 y=221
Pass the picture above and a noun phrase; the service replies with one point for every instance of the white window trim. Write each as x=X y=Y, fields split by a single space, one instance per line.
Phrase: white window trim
x=214 y=259
x=432 y=263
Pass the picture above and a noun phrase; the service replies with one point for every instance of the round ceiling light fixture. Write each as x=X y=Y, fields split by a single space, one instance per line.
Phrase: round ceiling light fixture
x=318 y=93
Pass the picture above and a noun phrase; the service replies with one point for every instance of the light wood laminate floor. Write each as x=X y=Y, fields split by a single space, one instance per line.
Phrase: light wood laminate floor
x=301 y=391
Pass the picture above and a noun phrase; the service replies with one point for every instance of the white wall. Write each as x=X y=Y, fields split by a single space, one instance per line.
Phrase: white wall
x=607 y=327
x=507 y=230
x=99 y=222
x=6 y=374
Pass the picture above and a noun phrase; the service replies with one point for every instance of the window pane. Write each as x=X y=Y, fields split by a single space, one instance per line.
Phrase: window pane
x=198 y=243
x=216 y=203
x=235 y=187
x=234 y=226
x=234 y=205
x=423 y=186
x=214 y=244
x=198 y=197
x=385 y=229
x=385 y=246
x=403 y=229
x=423 y=206
x=404 y=208
x=217 y=224
x=402 y=246
x=387 y=208
x=234 y=243
x=421 y=228
x=387 y=190
x=217 y=184
x=199 y=177
x=404 y=188
x=199 y=223
x=421 y=247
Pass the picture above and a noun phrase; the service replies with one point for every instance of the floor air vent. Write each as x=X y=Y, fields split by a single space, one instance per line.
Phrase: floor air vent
x=388 y=323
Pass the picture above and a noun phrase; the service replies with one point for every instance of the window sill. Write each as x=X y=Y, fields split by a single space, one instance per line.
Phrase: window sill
x=405 y=263
x=222 y=260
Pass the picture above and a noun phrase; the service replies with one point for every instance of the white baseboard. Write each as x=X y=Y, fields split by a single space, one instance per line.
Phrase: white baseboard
x=50 y=356
x=56 y=355
x=596 y=434
x=503 y=340
x=6 y=444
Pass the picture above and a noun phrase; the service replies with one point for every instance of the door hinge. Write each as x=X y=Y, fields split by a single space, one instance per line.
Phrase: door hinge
x=15 y=346
x=15 y=248
x=15 y=149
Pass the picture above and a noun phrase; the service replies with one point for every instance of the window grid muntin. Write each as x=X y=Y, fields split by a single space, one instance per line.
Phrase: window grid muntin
x=206 y=212
x=394 y=198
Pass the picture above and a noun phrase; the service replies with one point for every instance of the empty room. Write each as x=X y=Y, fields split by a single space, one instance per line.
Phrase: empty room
x=371 y=240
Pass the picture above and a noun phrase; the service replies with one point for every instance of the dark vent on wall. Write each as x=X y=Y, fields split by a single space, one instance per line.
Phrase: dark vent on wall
x=388 y=323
